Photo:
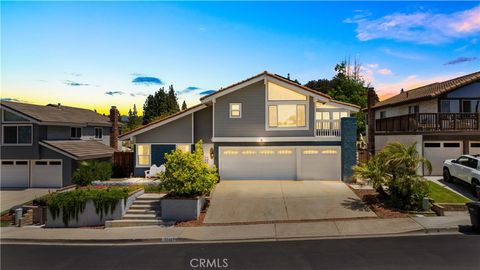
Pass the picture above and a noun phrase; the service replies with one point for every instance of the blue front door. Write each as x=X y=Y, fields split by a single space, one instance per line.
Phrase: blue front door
x=158 y=153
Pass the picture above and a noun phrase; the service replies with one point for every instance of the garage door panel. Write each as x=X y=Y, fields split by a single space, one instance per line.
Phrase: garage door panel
x=257 y=163
x=14 y=174
x=438 y=152
x=320 y=163
x=46 y=173
x=474 y=148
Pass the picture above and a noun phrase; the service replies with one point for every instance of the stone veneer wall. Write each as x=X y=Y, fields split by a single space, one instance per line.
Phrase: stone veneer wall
x=349 y=147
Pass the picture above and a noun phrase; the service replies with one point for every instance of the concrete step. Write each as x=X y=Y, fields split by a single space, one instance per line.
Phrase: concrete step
x=145 y=207
x=150 y=196
x=146 y=202
x=141 y=211
x=136 y=222
x=141 y=216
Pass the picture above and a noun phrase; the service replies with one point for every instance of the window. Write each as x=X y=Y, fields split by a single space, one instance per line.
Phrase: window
x=285 y=108
x=451 y=145
x=55 y=163
x=21 y=134
x=287 y=115
x=235 y=110
x=329 y=120
x=143 y=155
x=431 y=145
x=23 y=162
x=474 y=144
x=75 y=132
x=450 y=106
x=11 y=117
x=463 y=160
x=98 y=133
x=279 y=93
x=413 y=109
x=41 y=163
x=472 y=163
x=184 y=147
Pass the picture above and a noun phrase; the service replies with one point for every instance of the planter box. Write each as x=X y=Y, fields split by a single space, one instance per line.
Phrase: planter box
x=441 y=208
x=182 y=209
x=89 y=216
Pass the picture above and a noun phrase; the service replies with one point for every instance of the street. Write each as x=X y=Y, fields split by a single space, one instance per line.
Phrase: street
x=412 y=252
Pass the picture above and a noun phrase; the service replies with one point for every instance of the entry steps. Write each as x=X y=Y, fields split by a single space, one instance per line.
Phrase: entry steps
x=145 y=211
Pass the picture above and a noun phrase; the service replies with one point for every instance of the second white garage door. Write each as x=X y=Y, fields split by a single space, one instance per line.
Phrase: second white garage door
x=46 y=173
x=438 y=152
x=280 y=163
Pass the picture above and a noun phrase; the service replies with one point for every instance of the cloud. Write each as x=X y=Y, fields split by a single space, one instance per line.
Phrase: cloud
x=114 y=93
x=189 y=89
x=386 y=90
x=419 y=27
x=403 y=55
x=143 y=94
x=147 y=80
x=459 y=60
x=9 y=99
x=372 y=65
x=72 y=83
x=132 y=94
x=384 y=71
x=207 y=92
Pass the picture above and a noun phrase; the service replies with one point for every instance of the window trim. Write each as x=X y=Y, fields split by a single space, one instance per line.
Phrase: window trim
x=76 y=128
x=17 y=144
x=239 y=110
x=286 y=102
x=137 y=165
x=95 y=133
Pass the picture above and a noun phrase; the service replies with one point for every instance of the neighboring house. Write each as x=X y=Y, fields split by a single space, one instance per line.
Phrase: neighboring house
x=41 y=146
x=443 y=118
x=265 y=127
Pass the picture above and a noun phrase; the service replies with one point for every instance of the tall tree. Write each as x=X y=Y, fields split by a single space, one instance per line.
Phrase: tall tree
x=133 y=119
x=184 y=105
x=160 y=104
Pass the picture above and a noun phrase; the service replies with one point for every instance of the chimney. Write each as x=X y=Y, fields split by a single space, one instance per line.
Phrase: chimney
x=114 y=132
x=401 y=90
x=371 y=122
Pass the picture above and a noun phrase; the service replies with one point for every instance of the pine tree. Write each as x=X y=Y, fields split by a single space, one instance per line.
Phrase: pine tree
x=160 y=105
x=184 y=105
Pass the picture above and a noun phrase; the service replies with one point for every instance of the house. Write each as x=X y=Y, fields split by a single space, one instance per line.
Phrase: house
x=41 y=146
x=443 y=118
x=264 y=127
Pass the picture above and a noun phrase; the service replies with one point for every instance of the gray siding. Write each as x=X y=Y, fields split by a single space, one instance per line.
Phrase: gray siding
x=88 y=133
x=203 y=124
x=58 y=133
x=252 y=123
x=68 y=165
x=178 y=131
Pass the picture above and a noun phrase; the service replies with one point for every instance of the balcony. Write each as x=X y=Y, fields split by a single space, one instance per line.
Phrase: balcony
x=327 y=128
x=428 y=122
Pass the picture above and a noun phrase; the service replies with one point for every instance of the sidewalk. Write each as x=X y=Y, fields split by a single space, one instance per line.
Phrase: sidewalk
x=277 y=231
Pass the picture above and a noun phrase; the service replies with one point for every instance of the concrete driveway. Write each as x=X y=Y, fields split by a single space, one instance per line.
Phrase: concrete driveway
x=261 y=201
x=14 y=197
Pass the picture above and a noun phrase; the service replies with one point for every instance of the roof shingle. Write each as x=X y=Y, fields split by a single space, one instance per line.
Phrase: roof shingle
x=80 y=149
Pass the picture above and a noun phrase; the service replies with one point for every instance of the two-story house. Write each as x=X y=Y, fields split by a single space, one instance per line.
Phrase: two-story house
x=443 y=118
x=41 y=146
x=264 y=127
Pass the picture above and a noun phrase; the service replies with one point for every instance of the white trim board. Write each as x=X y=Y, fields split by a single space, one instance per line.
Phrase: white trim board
x=276 y=139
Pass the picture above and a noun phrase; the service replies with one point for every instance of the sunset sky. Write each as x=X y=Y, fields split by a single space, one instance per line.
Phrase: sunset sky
x=98 y=54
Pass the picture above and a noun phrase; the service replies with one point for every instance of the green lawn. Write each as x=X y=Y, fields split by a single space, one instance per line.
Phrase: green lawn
x=442 y=195
x=5 y=223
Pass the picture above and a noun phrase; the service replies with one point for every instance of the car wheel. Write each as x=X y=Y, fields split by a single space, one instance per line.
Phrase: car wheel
x=446 y=175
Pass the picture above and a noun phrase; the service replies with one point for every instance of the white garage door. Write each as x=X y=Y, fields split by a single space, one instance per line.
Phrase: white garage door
x=46 y=173
x=322 y=163
x=257 y=163
x=279 y=163
x=474 y=148
x=14 y=174
x=438 y=152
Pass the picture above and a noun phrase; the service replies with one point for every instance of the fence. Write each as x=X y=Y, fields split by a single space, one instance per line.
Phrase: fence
x=123 y=164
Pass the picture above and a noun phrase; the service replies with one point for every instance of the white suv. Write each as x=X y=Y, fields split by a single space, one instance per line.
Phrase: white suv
x=465 y=168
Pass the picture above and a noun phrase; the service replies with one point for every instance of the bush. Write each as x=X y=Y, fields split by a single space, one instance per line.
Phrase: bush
x=187 y=175
x=72 y=203
x=395 y=166
x=89 y=171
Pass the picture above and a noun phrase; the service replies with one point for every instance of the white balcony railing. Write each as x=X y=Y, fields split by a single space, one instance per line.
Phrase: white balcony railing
x=328 y=128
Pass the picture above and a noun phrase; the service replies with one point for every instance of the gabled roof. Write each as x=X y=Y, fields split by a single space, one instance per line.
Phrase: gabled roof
x=80 y=149
x=265 y=73
x=56 y=114
x=430 y=91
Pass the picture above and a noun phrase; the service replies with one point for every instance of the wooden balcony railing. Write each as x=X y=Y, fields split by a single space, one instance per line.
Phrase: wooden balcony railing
x=429 y=122
x=328 y=128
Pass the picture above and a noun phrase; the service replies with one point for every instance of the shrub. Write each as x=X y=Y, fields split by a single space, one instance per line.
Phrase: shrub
x=187 y=175
x=89 y=171
x=72 y=203
x=395 y=166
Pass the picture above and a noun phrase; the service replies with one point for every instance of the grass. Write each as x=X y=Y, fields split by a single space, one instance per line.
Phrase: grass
x=5 y=223
x=442 y=195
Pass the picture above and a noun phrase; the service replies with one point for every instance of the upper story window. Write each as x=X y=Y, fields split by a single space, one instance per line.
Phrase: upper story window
x=383 y=114
x=11 y=117
x=286 y=108
x=17 y=134
x=235 y=110
x=98 y=133
x=413 y=109
x=75 y=132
